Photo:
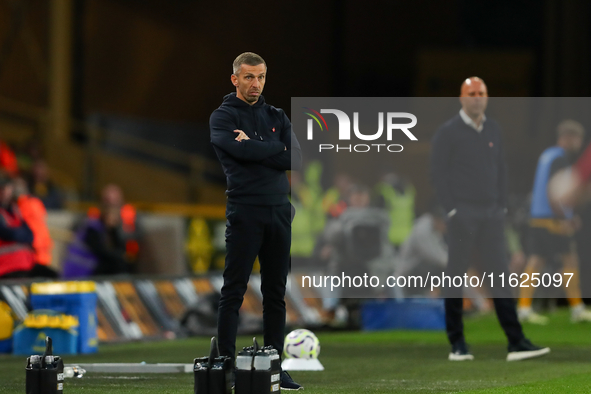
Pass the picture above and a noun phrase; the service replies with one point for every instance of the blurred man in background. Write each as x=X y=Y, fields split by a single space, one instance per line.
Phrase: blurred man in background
x=425 y=249
x=354 y=244
x=42 y=187
x=469 y=175
x=359 y=235
x=107 y=242
x=570 y=187
x=334 y=202
x=552 y=228
x=256 y=146
x=16 y=238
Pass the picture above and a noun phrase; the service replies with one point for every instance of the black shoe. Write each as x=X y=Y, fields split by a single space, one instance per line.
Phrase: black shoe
x=524 y=350
x=287 y=382
x=459 y=352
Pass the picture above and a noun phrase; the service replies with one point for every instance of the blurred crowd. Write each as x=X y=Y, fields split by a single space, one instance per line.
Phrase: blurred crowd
x=106 y=240
x=27 y=166
x=26 y=193
x=355 y=228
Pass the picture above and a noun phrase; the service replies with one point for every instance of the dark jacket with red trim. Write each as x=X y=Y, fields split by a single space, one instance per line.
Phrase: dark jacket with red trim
x=255 y=168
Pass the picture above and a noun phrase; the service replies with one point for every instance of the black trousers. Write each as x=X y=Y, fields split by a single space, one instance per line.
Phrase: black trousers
x=480 y=227
x=251 y=231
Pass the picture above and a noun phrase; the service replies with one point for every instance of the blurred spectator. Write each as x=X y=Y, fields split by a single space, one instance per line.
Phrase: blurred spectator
x=397 y=196
x=425 y=249
x=107 y=241
x=571 y=186
x=354 y=244
x=334 y=201
x=16 y=238
x=357 y=242
x=42 y=187
x=34 y=214
x=552 y=228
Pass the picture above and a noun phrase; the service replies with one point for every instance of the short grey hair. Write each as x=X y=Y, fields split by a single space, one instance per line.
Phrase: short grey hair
x=248 y=58
x=570 y=126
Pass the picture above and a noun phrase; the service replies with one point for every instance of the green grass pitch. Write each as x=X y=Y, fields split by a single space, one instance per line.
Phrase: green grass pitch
x=383 y=362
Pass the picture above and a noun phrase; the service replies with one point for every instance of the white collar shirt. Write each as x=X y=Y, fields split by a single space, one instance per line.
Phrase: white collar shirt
x=468 y=120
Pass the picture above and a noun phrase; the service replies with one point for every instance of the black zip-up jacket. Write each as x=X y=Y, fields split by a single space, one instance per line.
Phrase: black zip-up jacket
x=255 y=168
x=468 y=166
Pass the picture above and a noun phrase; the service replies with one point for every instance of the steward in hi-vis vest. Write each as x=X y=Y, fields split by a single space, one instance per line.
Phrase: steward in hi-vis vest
x=306 y=197
x=398 y=198
x=16 y=255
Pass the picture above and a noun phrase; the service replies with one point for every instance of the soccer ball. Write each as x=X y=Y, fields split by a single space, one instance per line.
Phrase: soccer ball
x=301 y=344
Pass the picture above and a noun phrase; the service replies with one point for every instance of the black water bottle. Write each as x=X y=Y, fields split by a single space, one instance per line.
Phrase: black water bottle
x=201 y=368
x=201 y=372
x=267 y=371
x=244 y=366
x=220 y=370
x=52 y=379
x=33 y=374
x=220 y=375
